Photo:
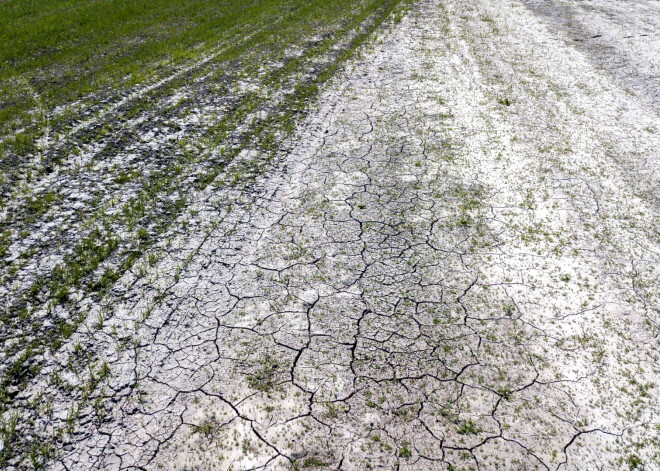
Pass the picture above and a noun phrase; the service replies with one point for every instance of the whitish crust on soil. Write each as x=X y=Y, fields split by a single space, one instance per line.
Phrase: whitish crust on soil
x=454 y=267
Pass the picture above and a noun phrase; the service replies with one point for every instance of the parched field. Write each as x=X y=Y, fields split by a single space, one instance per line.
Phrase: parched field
x=343 y=235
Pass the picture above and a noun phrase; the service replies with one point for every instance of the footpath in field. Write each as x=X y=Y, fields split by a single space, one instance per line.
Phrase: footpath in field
x=453 y=266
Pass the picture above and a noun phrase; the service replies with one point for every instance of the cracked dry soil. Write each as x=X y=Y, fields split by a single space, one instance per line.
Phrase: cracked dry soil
x=453 y=265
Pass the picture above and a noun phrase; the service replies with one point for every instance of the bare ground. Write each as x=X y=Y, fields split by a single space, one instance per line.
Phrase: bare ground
x=453 y=265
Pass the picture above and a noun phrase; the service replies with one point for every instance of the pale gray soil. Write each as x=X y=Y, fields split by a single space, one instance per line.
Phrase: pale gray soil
x=620 y=38
x=454 y=265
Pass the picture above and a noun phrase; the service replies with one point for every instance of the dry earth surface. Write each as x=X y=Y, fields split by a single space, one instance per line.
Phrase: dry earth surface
x=452 y=264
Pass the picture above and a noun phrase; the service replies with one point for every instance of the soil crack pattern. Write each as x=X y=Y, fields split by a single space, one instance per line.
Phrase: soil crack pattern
x=448 y=260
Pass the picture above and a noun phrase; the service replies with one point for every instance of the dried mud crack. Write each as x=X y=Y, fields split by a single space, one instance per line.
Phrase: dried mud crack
x=425 y=241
